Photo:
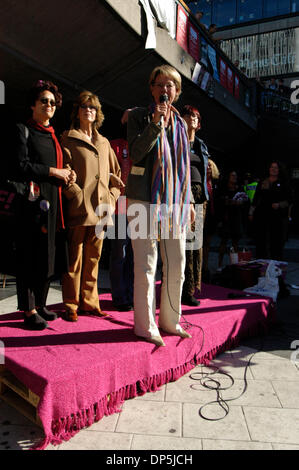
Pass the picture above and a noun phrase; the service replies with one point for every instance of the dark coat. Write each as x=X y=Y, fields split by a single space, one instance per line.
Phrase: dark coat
x=36 y=233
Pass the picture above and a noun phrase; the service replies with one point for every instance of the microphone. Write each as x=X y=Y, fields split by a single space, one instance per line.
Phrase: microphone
x=163 y=99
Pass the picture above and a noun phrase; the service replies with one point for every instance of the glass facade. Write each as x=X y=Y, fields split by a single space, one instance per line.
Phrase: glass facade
x=224 y=12
x=206 y=7
x=249 y=10
x=230 y=12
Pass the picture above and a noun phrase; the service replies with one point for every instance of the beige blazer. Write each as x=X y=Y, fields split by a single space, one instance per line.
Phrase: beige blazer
x=93 y=163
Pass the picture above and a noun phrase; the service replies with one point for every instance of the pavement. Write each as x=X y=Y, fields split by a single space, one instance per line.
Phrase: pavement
x=260 y=382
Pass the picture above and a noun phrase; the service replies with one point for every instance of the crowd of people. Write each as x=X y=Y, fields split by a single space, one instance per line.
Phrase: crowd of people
x=165 y=172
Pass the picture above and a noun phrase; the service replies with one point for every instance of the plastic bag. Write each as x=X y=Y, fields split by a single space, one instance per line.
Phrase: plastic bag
x=267 y=285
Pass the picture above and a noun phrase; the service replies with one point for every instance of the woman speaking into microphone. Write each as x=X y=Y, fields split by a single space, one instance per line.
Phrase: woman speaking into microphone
x=159 y=182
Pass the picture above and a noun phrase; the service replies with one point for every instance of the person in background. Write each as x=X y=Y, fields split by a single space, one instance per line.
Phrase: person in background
x=250 y=185
x=199 y=157
x=210 y=223
x=121 y=268
x=199 y=16
x=159 y=179
x=282 y=89
x=91 y=198
x=211 y=31
x=269 y=213
x=273 y=85
x=230 y=213
x=39 y=160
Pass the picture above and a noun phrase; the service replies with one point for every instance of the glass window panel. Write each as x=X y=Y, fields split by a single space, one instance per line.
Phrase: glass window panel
x=224 y=12
x=270 y=8
x=206 y=7
x=283 y=7
x=250 y=10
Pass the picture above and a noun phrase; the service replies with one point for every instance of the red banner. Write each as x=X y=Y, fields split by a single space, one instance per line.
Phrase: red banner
x=194 y=42
x=182 y=28
x=223 y=73
x=230 y=80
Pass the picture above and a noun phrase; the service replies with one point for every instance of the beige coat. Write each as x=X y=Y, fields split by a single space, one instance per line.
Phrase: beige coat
x=93 y=163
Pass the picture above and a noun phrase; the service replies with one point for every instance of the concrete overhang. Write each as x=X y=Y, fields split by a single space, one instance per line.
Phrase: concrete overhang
x=100 y=45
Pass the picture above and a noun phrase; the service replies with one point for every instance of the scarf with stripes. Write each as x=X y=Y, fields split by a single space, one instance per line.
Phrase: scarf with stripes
x=171 y=181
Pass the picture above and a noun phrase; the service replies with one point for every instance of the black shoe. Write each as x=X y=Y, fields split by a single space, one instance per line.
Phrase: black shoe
x=35 y=322
x=190 y=300
x=46 y=314
x=124 y=307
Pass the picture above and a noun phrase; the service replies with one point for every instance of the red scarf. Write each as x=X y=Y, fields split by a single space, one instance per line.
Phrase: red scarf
x=59 y=161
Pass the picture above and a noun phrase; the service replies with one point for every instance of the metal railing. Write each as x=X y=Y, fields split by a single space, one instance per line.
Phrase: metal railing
x=279 y=106
x=246 y=95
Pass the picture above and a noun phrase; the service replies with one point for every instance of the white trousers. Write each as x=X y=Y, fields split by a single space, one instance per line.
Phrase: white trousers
x=145 y=252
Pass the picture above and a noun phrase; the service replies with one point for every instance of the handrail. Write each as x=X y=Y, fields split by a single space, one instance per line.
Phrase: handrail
x=275 y=104
x=247 y=85
x=207 y=37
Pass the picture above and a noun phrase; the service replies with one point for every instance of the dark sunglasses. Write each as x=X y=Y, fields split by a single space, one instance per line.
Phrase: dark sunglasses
x=87 y=106
x=47 y=101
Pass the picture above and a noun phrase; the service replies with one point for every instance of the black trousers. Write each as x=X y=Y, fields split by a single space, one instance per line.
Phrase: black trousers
x=32 y=294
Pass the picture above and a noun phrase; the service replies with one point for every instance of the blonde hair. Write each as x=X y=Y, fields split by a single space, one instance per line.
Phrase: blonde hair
x=215 y=173
x=170 y=72
x=83 y=98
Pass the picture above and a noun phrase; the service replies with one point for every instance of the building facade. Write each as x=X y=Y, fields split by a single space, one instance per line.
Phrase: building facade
x=261 y=36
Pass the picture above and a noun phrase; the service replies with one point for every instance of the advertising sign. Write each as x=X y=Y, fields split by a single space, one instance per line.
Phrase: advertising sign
x=182 y=28
x=237 y=87
x=223 y=73
x=230 y=80
x=194 y=42
x=213 y=60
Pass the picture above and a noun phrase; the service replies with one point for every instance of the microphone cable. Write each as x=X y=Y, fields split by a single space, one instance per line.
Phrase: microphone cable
x=223 y=403
x=209 y=383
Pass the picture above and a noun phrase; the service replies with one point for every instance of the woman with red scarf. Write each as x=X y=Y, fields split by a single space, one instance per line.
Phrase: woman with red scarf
x=39 y=162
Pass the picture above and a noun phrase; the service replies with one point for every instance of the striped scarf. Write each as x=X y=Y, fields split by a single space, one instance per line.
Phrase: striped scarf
x=171 y=181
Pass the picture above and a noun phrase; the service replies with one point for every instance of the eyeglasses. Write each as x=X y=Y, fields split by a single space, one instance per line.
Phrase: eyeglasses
x=47 y=101
x=162 y=85
x=88 y=106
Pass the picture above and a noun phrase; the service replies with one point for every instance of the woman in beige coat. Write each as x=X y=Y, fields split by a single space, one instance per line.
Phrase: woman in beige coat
x=88 y=200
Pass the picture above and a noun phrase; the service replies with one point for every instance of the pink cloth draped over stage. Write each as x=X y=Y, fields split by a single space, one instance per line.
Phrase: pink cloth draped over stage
x=83 y=371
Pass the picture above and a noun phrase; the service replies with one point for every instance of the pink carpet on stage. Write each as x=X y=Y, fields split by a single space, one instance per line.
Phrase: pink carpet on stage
x=85 y=370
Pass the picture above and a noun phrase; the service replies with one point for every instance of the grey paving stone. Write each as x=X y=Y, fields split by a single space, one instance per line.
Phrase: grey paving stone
x=237 y=368
x=285 y=447
x=273 y=425
x=159 y=395
x=106 y=424
x=276 y=369
x=287 y=392
x=87 y=440
x=247 y=353
x=258 y=392
x=233 y=426
x=149 y=417
x=209 y=444
x=146 y=442
x=15 y=437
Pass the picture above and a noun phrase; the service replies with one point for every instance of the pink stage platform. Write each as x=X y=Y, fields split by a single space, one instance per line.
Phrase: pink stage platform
x=85 y=370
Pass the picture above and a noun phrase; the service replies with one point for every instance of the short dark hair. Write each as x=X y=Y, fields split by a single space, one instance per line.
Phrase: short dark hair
x=39 y=87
